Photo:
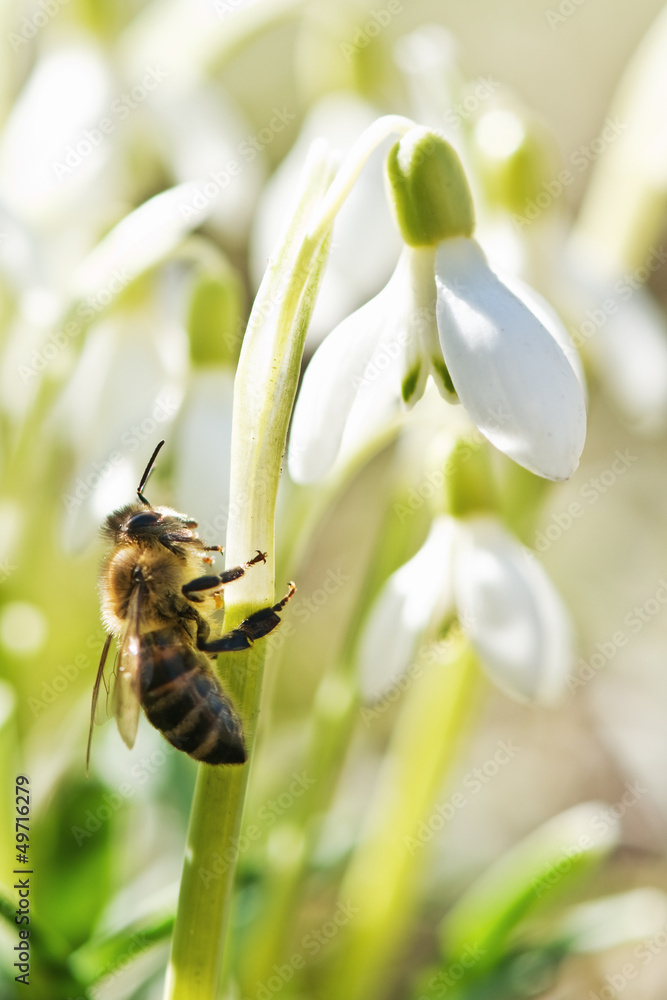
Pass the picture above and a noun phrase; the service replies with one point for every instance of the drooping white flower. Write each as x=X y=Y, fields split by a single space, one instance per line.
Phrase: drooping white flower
x=444 y=314
x=504 y=601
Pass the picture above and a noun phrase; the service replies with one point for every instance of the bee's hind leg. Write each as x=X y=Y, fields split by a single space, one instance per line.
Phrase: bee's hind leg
x=255 y=626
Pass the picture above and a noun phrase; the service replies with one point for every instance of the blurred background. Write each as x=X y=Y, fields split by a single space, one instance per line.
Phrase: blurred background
x=149 y=154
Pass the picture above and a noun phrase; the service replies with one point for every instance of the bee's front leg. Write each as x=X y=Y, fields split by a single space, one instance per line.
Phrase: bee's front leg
x=255 y=626
x=214 y=582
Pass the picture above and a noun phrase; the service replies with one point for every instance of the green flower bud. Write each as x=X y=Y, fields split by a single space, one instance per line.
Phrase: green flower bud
x=428 y=189
x=214 y=320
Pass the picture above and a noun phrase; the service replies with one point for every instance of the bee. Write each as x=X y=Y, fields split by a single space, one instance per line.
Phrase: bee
x=156 y=603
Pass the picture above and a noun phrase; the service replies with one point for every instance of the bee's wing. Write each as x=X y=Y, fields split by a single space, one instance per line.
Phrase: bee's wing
x=127 y=686
x=96 y=691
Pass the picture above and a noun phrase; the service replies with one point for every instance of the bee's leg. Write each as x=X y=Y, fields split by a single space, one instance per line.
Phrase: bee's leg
x=255 y=626
x=210 y=548
x=215 y=582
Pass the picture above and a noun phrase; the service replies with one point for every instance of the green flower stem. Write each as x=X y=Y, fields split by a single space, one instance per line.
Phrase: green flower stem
x=265 y=387
x=380 y=884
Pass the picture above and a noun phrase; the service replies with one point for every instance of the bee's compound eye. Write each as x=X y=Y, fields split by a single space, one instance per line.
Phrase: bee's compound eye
x=143 y=520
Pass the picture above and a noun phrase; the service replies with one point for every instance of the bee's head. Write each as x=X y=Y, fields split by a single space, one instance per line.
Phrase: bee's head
x=134 y=523
x=142 y=524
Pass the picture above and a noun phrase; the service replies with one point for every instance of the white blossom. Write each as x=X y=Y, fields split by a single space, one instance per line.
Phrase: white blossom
x=503 y=599
x=445 y=314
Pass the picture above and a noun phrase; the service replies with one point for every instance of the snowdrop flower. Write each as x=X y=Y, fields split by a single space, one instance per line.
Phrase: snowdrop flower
x=447 y=315
x=504 y=601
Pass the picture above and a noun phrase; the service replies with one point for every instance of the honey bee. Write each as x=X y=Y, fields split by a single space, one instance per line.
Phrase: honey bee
x=157 y=604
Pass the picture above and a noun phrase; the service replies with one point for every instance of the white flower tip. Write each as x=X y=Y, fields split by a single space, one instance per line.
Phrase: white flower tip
x=510 y=373
x=512 y=614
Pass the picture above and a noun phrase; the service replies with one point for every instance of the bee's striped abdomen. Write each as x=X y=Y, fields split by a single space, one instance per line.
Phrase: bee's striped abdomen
x=182 y=697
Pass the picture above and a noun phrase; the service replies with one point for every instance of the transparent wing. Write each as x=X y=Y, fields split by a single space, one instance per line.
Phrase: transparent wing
x=127 y=685
x=96 y=691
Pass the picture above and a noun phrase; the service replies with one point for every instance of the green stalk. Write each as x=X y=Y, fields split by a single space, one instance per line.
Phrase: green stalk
x=265 y=387
x=380 y=884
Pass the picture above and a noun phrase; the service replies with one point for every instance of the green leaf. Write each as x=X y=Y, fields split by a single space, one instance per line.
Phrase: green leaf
x=556 y=858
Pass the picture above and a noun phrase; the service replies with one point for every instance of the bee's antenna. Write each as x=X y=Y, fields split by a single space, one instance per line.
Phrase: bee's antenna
x=147 y=474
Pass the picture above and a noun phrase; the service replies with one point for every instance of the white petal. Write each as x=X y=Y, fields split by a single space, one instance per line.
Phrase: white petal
x=550 y=319
x=403 y=610
x=508 y=370
x=513 y=615
x=344 y=364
